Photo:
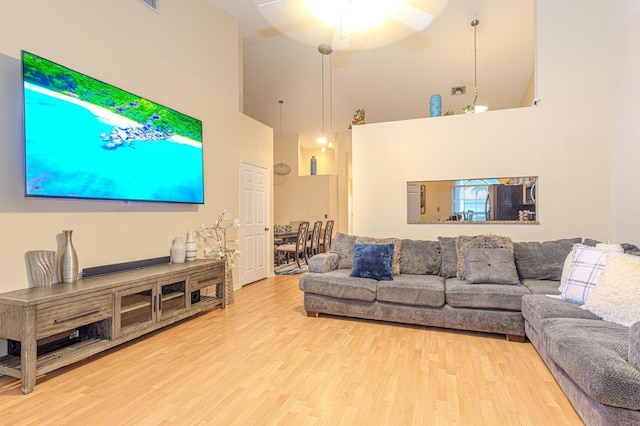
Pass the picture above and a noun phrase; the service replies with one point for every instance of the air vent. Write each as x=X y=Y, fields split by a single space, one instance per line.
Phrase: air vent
x=153 y=4
x=458 y=90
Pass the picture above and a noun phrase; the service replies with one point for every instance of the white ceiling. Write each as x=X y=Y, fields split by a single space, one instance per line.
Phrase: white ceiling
x=393 y=82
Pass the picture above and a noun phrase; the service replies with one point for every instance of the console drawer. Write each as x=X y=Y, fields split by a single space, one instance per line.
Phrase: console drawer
x=58 y=317
x=208 y=277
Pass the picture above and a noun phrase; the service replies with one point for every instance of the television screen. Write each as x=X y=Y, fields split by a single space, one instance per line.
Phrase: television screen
x=87 y=139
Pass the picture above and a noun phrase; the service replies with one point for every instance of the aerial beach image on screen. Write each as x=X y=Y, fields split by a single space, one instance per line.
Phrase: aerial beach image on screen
x=88 y=139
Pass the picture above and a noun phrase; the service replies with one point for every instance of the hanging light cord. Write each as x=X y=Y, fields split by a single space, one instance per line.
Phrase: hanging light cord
x=281 y=102
x=331 y=98
x=474 y=24
x=323 y=95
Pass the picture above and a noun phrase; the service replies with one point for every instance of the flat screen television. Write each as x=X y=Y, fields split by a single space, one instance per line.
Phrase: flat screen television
x=88 y=139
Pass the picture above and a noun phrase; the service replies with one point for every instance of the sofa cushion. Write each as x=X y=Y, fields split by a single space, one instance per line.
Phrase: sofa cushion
x=616 y=298
x=594 y=354
x=461 y=294
x=420 y=257
x=407 y=289
x=340 y=285
x=634 y=345
x=465 y=242
x=542 y=286
x=343 y=245
x=373 y=261
x=490 y=266
x=449 y=266
x=324 y=262
x=631 y=249
x=538 y=307
x=397 y=249
x=584 y=272
x=542 y=261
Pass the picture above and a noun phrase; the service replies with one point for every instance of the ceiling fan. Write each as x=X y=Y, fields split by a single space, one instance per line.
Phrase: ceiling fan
x=350 y=24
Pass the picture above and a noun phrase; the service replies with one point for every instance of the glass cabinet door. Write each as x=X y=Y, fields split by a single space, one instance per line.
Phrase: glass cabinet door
x=135 y=308
x=172 y=297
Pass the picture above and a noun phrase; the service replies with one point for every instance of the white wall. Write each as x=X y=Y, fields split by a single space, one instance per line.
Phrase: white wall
x=626 y=131
x=566 y=141
x=185 y=57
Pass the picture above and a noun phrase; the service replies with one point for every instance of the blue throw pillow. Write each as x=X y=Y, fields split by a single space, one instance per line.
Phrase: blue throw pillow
x=373 y=261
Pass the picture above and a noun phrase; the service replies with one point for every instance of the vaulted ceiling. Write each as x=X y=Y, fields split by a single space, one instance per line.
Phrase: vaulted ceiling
x=394 y=82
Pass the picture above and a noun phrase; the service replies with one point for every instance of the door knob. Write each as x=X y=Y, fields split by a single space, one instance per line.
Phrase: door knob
x=266 y=229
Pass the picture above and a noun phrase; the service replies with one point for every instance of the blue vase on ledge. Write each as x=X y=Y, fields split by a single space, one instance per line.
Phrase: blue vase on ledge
x=435 y=105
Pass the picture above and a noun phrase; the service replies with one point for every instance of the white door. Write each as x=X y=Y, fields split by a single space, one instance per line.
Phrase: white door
x=254 y=222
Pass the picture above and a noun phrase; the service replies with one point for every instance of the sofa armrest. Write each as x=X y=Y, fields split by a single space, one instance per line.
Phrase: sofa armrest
x=324 y=262
x=634 y=345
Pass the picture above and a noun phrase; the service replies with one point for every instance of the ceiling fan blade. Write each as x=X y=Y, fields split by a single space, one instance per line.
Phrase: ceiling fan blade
x=341 y=37
x=413 y=17
x=267 y=2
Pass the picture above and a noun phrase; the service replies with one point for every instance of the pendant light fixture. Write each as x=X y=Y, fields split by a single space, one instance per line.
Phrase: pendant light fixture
x=325 y=139
x=281 y=168
x=474 y=108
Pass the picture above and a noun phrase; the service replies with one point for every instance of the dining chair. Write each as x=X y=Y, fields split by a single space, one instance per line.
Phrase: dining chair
x=297 y=248
x=325 y=244
x=313 y=244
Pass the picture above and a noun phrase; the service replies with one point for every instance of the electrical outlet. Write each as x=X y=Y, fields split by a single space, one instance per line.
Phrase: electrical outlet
x=227 y=215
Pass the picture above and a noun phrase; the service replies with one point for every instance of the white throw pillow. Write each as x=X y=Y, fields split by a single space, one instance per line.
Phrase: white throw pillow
x=610 y=247
x=569 y=259
x=584 y=272
x=616 y=298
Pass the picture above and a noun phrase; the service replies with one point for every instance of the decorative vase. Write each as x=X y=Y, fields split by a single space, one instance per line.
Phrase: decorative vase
x=228 y=282
x=178 y=250
x=435 y=105
x=42 y=264
x=314 y=165
x=68 y=260
x=191 y=248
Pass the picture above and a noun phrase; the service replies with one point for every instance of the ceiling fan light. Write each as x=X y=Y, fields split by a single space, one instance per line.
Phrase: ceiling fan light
x=367 y=14
x=354 y=15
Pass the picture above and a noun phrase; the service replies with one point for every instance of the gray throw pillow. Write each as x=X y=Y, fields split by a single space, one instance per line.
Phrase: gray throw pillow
x=343 y=245
x=490 y=266
x=464 y=242
x=542 y=261
x=420 y=257
x=449 y=266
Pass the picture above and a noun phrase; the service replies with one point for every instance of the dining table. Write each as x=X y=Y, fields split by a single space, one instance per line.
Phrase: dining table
x=286 y=237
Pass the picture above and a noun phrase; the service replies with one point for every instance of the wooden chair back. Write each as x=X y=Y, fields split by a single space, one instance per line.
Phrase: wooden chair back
x=328 y=232
x=314 y=246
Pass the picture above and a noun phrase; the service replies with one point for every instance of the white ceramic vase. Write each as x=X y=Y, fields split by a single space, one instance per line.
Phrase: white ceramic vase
x=192 y=248
x=178 y=250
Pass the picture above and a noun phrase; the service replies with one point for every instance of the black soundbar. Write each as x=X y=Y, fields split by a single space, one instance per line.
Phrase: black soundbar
x=126 y=266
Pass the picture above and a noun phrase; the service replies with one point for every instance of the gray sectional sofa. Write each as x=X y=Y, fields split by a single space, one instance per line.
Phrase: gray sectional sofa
x=427 y=290
x=597 y=363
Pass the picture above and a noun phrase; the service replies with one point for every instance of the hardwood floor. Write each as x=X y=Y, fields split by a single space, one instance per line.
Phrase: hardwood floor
x=262 y=361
